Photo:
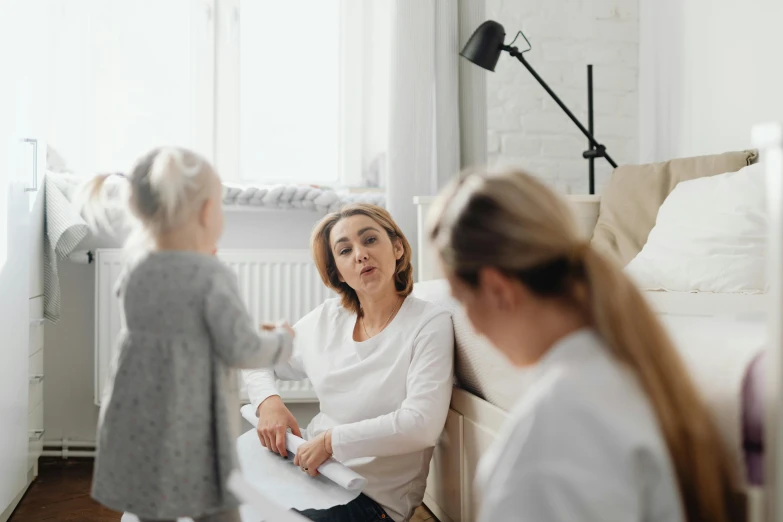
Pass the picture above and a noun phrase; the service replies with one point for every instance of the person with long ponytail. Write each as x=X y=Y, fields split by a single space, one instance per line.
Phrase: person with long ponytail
x=612 y=427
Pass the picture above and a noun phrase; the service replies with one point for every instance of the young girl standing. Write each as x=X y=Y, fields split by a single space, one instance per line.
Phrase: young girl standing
x=169 y=417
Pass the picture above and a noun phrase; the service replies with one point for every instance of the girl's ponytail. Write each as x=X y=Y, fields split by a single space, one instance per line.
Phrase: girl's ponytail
x=91 y=201
x=165 y=187
x=173 y=176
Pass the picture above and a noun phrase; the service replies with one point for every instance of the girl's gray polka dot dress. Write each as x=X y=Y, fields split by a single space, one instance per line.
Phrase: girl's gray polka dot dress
x=170 y=413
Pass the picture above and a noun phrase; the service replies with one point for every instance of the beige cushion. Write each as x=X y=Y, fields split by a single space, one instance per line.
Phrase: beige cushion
x=630 y=201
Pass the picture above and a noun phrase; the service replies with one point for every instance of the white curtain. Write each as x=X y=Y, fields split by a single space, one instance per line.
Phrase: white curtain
x=472 y=90
x=662 y=120
x=437 y=105
x=708 y=74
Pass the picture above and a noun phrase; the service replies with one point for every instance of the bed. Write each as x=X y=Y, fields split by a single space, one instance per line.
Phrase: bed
x=722 y=338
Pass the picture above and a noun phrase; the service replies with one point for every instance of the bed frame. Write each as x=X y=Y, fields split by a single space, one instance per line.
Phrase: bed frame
x=768 y=138
x=473 y=424
x=471 y=428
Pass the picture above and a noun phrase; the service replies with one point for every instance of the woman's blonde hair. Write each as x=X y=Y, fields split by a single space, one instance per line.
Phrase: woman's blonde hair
x=167 y=185
x=515 y=224
x=324 y=257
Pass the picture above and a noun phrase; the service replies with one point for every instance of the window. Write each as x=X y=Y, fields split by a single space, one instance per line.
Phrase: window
x=114 y=91
x=289 y=90
x=271 y=91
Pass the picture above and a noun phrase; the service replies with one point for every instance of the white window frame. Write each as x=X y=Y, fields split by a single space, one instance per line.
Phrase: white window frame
x=224 y=91
x=203 y=67
x=215 y=89
x=76 y=51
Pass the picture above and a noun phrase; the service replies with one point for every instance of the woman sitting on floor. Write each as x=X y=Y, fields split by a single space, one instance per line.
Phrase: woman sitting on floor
x=380 y=361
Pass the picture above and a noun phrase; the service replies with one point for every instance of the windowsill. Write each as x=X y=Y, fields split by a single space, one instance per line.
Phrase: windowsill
x=335 y=187
x=241 y=197
x=360 y=190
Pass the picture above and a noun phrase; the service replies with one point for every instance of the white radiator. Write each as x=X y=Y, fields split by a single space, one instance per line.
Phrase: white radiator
x=275 y=285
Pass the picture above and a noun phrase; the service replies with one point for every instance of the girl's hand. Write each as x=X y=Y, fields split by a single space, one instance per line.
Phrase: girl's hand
x=269 y=327
x=287 y=327
x=312 y=454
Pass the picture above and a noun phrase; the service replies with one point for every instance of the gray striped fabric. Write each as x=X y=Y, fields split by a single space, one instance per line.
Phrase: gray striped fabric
x=64 y=230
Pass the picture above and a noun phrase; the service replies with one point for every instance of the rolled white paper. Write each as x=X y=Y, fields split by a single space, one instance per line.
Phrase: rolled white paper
x=331 y=469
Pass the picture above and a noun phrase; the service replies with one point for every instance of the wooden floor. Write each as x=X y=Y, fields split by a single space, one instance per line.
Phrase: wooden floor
x=62 y=493
x=423 y=514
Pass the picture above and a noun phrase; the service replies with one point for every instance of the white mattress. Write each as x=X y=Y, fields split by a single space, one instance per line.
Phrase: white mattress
x=718 y=351
x=706 y=304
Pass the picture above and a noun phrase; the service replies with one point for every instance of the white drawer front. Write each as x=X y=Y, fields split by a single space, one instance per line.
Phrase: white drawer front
x=36 y=432
x=35 y=393
x=35 y=397
x=37 y=307
x=36 y=241
x=35 y=419
x=36 y=363
x=36 y=325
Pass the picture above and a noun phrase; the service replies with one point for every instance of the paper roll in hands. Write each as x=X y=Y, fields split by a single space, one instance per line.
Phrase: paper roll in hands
x=331 y=469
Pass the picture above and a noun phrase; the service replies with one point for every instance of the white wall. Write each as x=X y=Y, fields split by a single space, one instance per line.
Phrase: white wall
x=69 y=410
x=722 y=75
x=525 y=127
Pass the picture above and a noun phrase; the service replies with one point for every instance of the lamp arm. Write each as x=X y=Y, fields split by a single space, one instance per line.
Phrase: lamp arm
x=513 y=51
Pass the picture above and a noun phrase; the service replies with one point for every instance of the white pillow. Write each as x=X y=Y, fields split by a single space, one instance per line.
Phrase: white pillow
x=709 y=236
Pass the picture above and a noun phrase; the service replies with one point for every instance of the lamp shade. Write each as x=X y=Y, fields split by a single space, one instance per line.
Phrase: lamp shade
x=485 y=45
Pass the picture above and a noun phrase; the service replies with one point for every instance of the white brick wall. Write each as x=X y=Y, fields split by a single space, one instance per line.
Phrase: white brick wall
x=525 y=126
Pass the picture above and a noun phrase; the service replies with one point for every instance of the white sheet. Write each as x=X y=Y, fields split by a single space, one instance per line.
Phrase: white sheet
x=277 y=478
x=288 y=485
x=257 y=506
x=717 y=351
x=706 y=303
x=331 y=469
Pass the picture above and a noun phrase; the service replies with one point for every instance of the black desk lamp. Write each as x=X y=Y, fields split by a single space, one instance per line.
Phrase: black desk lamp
x=484 y=48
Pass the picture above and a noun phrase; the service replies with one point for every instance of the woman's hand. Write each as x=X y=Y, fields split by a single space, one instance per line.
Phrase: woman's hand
x=273 y=421
x=312 y=454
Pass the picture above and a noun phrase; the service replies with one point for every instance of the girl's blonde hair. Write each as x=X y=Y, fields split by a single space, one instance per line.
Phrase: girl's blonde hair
x=515 y=224
x=167 y=186
x=324 y=257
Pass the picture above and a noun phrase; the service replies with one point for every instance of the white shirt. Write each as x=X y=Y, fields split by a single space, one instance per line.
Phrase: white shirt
x=385 y=399
x=583 y=444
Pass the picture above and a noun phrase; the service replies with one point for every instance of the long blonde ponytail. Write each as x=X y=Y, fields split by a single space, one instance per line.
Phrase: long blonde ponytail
x=707 y=477
x=514 y=223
